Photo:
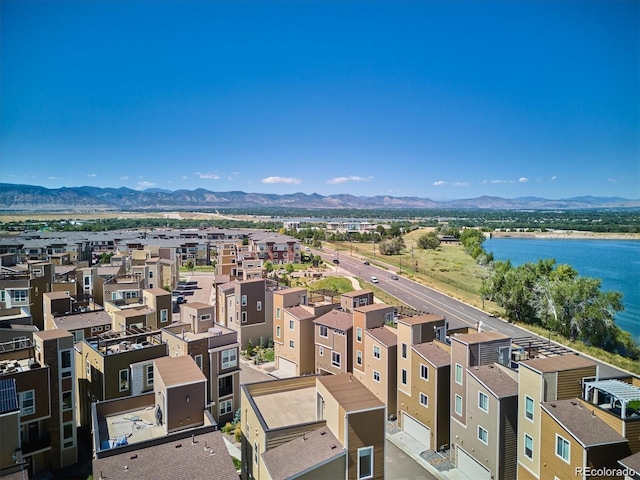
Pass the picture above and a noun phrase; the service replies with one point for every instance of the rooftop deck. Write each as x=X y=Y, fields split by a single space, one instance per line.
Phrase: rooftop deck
x=300 y=407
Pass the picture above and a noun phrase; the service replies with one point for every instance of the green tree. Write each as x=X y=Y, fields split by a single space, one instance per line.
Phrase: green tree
x=428 y=241
x=189 y=265
x=289 y=268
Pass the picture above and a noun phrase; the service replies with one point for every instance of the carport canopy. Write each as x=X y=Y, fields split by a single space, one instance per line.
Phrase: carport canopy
x=620 y=391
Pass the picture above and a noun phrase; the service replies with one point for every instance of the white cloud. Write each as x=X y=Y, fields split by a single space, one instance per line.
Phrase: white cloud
x=439 y=183
x=184 y=177
x=612 y=180
x=523 y=180
x=350 y=178
x=54 y=178
x=145 y=184
x=461 y=184
x=208 y=176
x=287 y=180
x=553 y=178
x=125 y=177
x=91 y=175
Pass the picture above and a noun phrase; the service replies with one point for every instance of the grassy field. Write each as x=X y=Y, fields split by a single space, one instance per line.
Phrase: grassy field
x=447 y=268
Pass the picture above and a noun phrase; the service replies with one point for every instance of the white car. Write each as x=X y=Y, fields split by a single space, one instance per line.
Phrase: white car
x=374 y=279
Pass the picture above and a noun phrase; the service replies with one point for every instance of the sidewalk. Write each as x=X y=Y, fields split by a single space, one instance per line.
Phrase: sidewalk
x=436 y=464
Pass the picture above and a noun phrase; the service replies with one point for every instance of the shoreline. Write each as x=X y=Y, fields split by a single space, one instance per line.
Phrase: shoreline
x=566 y=234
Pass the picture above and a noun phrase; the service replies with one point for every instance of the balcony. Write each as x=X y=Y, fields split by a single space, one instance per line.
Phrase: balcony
x=37 y=445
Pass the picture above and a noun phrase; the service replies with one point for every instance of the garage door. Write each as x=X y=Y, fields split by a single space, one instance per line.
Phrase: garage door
x=417 y=430
x=286 y=366
x=470 y=467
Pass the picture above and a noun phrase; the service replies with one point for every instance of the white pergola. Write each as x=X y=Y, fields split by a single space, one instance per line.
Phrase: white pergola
x=620 y=391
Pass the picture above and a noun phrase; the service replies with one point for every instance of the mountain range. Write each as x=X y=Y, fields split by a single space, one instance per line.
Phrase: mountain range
x=14 y=197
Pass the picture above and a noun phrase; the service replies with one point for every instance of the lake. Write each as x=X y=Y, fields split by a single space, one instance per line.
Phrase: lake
x=615 y=262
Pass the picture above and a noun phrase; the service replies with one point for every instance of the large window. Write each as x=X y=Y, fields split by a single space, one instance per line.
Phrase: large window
x=27 y=402
x=458 y=405
x=563 y=448
x=67 y=435
x=483 y=401
x=483 y=435
x=124 y=380
x=359 y=334
x=528 y=447
x=424 y=372
x=229 y=358
x=67 y=400
x=376 y=351
x=164 y=315
x=65 y=359
x=458 y=374
x=324 y=331
x=365 y=463
x=336 y=359
x=19 y=296
x=225 y=386
x=149 y=375
x=528 y=407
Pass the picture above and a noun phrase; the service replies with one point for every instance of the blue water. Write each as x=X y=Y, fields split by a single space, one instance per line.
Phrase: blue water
x=615 y=262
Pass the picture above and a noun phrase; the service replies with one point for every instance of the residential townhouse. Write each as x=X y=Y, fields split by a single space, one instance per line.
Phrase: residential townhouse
x=23 y=286
x=337 y=429
x=247 y=307
x=333 y=342
x=413 y=330
x=425 y=415
x=294 y=311
x=574 y=442
x=541 y=380
x=491 y=426
x=216 y=351
x=40 y=381
x=275 y=248
x=468 y=351
x=167 y=433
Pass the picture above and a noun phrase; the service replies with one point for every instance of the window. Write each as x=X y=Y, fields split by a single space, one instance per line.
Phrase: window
x=164 y=315
x=321 y=351
x=424 y=400
x=27 y=402
x=67 y=435
x=198 y=360
x=404 y=376
x=563 y=448
x=148 y=375
x=229 y=358
x=358 y=357
x=458 y=374
x=88 y=370
x=528 y=447
x=150 y=273
x=255 y=453
x=404 y=350
x=78 y=335
x=244 y=317
x=65 y=359
x=376 y=351
x=124 y=380
x=359 y=334
x=226 y=406
x=365 y=463
x=424 y=372
x=528 y=407
x=225 y=386
x=244 y=300
x=278 y=312
x=376 y=376
x=324 y=331
x=259 y=305
x=483 y=435
x=67 y=401
x=291 y=324
x=458 y=405
x=205 y=317
x=483 y=402
x=19 y=296
x=292 y=344
x=278 y=331
x=335 y=359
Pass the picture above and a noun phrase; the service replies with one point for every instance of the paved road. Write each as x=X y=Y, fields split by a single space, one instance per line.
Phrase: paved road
x=427 y=299
x=399 y=466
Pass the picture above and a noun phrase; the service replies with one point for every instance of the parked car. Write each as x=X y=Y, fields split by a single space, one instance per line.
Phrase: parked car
x=374 y=279
x=394 y=277
x=366 y=263
x=336 y=261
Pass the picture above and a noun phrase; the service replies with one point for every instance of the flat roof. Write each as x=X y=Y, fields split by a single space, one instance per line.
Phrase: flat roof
x=157 y=291
x=82 y=320
x=180 y=370
x=349 y=392
x=479 y=337
x=558 y=364
x=52 y=334
x=290 y=407
x=420 y=319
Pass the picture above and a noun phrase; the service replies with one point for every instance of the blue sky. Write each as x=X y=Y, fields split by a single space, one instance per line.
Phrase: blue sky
x=438 y=99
